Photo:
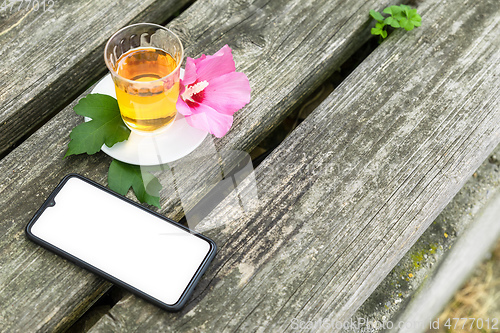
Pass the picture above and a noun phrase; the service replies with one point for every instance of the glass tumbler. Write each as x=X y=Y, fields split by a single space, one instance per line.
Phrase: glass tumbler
x=145 y=60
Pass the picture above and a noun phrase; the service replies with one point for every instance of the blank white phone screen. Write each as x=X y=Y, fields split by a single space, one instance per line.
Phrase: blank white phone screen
x=122 y=240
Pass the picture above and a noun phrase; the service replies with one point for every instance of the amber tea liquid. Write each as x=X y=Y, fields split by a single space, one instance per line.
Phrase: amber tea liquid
x=147 y=108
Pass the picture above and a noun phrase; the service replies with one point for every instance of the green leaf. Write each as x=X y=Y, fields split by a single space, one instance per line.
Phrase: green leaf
x=414 y=18
x=406 y=24
x=379 y=29
x=376 y=15
x=106 y=126
x=123 y=176
x=399 y=16
x=392 y=22
x=376 y=31
x=405 y=7
x=412 y=12
x=393 y=10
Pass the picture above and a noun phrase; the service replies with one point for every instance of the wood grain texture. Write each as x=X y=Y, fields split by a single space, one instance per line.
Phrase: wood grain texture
x=49 y=58
x=30 y=276
x=285 y=54
x=459 y=264
x=353 y=187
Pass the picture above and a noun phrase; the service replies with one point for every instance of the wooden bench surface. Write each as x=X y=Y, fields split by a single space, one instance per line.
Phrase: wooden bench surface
x=285 y=47
x=351 y=189
x=50 y=57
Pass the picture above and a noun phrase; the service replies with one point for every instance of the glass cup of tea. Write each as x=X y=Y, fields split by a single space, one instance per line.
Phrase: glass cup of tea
x=145 y=60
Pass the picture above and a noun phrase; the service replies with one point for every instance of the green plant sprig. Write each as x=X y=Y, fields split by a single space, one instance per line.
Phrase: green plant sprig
x=107 y=127
x=401 y=16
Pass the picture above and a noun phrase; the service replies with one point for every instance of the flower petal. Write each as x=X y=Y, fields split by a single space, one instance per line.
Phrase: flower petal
x=212 y=66
x=198 y=60
x=228 y=93
x=189 y=72
x=182 y=107
x=211 y=121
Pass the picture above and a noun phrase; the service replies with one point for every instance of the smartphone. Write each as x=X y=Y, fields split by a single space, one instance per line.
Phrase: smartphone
x=122 y=241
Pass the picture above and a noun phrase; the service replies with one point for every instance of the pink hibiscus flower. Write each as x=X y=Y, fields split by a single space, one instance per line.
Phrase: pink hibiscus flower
x=212 y=91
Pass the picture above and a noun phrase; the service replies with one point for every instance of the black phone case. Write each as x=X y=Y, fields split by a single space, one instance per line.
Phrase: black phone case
x=187 y=292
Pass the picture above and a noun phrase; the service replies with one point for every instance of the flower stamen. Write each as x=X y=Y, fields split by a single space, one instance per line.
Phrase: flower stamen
x=194 y=89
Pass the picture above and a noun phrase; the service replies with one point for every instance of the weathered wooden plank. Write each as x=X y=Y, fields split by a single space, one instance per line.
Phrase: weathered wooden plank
x=458 y=265
x=49 y=58
x=432 y=258
x=353 y=187
x=283 y=64
x=28 y=284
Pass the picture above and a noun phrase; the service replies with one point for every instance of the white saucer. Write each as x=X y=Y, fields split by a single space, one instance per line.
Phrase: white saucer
x=177 y=141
